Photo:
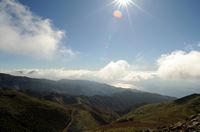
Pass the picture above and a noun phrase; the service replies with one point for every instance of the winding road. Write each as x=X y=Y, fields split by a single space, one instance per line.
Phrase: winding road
x=70 y=123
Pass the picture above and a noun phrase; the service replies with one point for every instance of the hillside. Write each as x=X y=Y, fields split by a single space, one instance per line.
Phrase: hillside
x=152 y=116
x=91 y=93
x=20 y=112
x=38 y=108
x=124 y=101
x=23 y=113
x=167 y=112
x=191 y=124
x=43 y=86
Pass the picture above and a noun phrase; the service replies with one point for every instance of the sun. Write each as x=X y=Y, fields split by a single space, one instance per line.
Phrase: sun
x=123 y=3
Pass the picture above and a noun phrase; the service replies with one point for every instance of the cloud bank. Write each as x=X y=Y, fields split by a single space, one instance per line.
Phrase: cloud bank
x=118 y=73
x=180 y=65
x=177 y=74
x=24 y=33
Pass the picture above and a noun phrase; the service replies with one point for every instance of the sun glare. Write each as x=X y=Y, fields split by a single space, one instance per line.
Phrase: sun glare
x=123 y=3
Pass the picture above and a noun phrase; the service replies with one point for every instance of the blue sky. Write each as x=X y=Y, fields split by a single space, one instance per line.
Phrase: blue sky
x=82 y=38
x=169 y=25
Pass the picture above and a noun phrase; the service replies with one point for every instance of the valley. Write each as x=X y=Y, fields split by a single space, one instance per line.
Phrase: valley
x=25 y=107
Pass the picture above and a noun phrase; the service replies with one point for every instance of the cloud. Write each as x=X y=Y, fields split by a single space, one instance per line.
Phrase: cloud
x=24 y=33
x=180 y=65
x=173 y=76
x=114 y=70
x=119 y=73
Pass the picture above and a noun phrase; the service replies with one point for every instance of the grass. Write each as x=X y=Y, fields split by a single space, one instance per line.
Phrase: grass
x=156 y=115
x=166 y=113
x=22 y=113
x=19 y=112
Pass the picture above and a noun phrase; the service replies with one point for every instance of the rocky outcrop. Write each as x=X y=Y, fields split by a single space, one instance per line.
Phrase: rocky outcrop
x=192 y=124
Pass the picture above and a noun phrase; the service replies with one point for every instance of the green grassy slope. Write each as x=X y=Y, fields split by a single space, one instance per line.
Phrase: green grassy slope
x=164 y=113
x=24 y=113
x=152 y=116
x=19 y=112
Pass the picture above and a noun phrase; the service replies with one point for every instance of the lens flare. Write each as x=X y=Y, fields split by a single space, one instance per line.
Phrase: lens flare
x=117 y=14
x=122 y=9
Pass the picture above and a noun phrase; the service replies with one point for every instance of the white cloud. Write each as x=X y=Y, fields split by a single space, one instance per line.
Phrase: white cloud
x=180 y=65
x=122 y=74
x=24 y=33
x=118 y=73
x=114 y=70
x=173 y=76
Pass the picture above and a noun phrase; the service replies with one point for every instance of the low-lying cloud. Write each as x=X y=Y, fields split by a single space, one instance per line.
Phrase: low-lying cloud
x=118 y=73
x=177 y=74
x=24 y=33
x=180 y=65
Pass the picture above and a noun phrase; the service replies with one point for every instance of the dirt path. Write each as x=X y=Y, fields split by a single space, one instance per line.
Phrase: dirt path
x=70 y=123
x=130 y=124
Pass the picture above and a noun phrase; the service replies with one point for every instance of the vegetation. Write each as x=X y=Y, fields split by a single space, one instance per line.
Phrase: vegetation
x=79 y=91
x=166 y=112
x=152 y=116
x=23 y=113
x=20 y=112
x=43 y=107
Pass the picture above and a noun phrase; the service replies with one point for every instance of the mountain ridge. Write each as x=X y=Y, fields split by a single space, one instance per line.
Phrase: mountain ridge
x=119 y=110
x=96 y=94
x=13 y=81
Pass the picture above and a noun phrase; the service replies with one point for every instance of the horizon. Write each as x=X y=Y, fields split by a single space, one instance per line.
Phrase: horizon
x=177 y=97
x=151 y=46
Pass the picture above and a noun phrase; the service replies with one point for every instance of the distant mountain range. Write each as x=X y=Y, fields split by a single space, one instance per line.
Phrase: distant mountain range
x=72 y=87
x=93 y=93
x=20 y=112
x=28 y=104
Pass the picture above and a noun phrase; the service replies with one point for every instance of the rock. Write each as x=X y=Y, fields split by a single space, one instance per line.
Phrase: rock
x=192 y=124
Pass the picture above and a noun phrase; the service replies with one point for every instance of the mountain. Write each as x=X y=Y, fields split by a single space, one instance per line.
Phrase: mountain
x=124 y=101
x=159 y=115
x=72 y=87
x=28 y=104
x=20 y=112
x=167 y=113
x=92 y=93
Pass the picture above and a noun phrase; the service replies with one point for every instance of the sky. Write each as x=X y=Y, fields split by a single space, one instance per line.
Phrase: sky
x=150 y=45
